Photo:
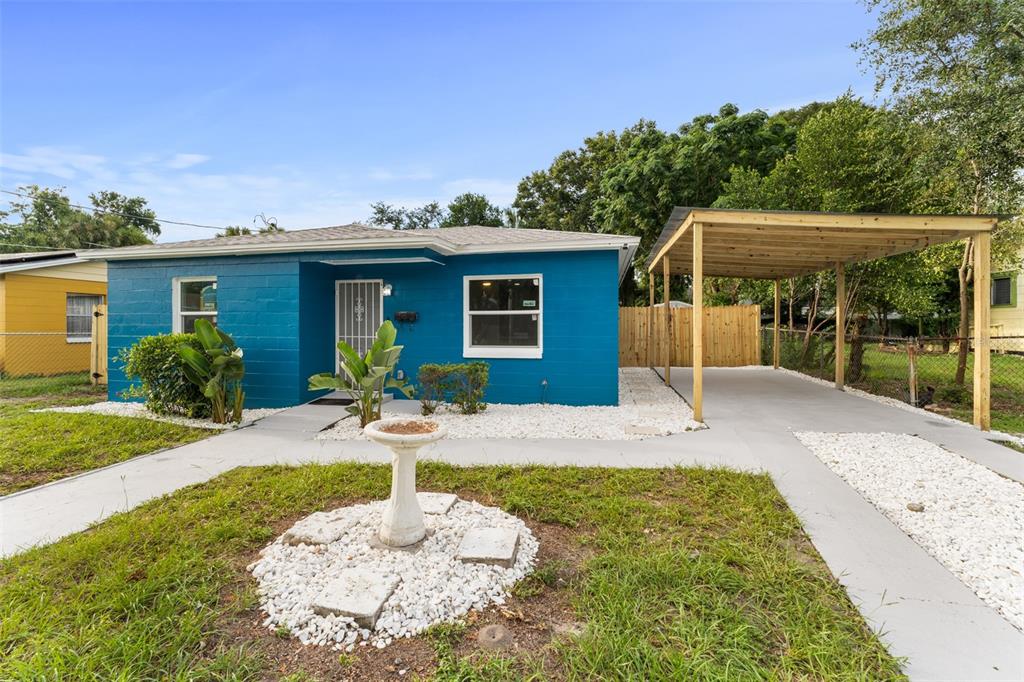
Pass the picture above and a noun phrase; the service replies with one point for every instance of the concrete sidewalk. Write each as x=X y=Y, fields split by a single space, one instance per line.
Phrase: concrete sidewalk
x=922 y=610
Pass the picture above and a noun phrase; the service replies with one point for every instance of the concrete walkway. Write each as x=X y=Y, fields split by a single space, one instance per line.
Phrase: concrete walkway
x=921 y=609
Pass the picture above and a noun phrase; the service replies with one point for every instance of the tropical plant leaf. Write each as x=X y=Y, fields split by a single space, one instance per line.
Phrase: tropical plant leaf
x=207 y=335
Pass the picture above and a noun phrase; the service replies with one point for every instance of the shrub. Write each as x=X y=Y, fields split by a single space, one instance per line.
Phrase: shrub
x=461 y=384
x=217 y=369
x=154 y=361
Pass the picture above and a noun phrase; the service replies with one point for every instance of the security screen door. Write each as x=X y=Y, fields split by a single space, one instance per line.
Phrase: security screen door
x=360 y=311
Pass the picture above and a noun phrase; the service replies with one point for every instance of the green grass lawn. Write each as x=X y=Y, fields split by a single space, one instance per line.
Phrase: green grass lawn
x=36 y=448
x=887 y=375
x=673 y=574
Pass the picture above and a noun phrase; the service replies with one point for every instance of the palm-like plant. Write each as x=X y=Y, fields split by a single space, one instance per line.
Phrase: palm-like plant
x=365 y=378
x=216 y=371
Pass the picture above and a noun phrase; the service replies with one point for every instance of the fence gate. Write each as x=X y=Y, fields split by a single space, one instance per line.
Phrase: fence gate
x=732 y=336
x=359 y=305
x=98 y=352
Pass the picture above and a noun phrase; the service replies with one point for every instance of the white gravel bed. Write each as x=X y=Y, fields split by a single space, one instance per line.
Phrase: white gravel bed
x=972 y=520
x=140 y=411
x=646 y=408
x=435 y=586
x=891 y=402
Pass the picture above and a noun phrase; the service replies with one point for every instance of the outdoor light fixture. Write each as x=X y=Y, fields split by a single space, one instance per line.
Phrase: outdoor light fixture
x=386 y=290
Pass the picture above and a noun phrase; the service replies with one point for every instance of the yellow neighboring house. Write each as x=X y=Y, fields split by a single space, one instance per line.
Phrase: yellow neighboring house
x=46 y=304
x=1008 y=302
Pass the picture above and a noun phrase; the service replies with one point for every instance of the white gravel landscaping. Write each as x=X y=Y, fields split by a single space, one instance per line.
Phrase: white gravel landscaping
x=970 y=518
x=433 y=585
x=647 y=407
x=140 y=411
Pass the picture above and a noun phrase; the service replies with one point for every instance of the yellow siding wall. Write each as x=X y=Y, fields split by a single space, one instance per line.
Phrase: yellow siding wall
x=1009 y=321
x=33 y=301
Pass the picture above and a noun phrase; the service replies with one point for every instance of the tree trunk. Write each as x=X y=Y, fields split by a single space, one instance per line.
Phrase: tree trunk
x=856 y=350
x=965 y=275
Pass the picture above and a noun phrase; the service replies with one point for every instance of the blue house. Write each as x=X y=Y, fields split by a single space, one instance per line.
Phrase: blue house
x=540 y=306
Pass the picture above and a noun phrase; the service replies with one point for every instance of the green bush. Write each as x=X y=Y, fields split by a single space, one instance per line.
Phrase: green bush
x=459 y=383
x=160 y=371
x=953 y=395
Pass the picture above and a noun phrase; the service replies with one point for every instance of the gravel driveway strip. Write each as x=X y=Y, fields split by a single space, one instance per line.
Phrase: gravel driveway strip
x=966 y=516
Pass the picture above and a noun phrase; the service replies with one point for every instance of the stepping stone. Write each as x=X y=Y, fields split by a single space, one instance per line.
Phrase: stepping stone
x=319 y=528
x=356 y=593
x=436 y=503
x=495 y=546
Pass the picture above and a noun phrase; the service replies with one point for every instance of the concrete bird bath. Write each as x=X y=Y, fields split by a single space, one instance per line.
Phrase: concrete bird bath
x=402 y=522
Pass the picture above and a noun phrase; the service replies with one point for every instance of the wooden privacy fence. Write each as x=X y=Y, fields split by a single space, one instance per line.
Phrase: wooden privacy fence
x=732 y=336
x=98 y=352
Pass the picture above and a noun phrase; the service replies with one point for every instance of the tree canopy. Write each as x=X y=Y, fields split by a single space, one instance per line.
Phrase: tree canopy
x=466 y=209
x=44 y=218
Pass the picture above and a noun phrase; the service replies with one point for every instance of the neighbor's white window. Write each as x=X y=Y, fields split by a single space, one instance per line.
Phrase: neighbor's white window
x=194 y=298
x=503 y=316
x=79 y=316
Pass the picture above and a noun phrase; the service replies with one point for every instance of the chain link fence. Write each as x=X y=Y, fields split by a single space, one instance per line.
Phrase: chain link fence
x=887 y=366
x=36 y=363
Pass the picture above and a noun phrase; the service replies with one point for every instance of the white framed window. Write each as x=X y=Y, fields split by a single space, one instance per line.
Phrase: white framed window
x=503 y=316
x=79 y=316
x=193 y=298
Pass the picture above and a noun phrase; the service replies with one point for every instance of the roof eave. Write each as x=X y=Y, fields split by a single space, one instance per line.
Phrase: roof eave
x=39 y=265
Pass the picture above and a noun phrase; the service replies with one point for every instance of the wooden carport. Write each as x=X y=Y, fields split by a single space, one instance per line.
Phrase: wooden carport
x=777 y=245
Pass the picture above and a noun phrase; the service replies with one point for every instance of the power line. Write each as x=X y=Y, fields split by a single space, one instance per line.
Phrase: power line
x=39 y=246
x=122 y=214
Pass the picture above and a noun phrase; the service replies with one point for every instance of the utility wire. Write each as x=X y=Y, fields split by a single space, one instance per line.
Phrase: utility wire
x=123 y=215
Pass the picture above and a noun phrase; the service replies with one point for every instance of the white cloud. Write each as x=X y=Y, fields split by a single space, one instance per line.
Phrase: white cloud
x=61 y=163
x=179 y=161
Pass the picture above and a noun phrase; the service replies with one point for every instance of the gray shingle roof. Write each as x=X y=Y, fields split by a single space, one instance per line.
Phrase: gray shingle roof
x=459 y=236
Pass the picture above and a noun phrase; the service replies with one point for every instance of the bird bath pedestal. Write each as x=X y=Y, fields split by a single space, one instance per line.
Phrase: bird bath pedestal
x=402 y=523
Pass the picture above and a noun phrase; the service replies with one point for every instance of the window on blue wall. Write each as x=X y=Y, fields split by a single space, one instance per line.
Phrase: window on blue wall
x=194 y=298
x=503 y=316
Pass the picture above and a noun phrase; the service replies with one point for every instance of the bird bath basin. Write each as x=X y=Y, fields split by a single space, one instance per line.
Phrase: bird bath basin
x=402 y=522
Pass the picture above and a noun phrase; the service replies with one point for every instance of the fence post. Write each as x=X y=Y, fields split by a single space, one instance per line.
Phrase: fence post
x=98 y=354
x=912 y=362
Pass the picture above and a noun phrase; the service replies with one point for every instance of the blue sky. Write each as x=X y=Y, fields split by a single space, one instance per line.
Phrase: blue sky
x=308 y=112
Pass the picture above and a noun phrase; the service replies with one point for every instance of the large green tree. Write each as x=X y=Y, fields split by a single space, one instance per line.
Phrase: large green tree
x=44 y=218
x=849 y=158
x=957 y=67
x=472 y=209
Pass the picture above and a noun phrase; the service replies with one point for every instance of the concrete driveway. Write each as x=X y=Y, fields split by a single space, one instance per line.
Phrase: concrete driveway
x=922 y=611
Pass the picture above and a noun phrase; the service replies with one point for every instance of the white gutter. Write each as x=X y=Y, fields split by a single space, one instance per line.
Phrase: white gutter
x=39 y=264
x=625 y=245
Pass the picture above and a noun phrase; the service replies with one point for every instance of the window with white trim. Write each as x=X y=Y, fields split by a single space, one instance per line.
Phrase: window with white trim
x=503 y=316
x=79 y=316
x=194 y=298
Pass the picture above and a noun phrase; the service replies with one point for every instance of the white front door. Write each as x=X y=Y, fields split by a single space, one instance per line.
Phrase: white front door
x=359 y=311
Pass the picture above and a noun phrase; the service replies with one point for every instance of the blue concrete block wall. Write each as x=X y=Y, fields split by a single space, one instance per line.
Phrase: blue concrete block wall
x=257 y=303
x=281 y=310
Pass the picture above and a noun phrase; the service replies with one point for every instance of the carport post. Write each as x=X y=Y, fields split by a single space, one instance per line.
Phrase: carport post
x=666 y=344
x=698 y=322
x=982 y=333
x=840 y=325
x=775 y=330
